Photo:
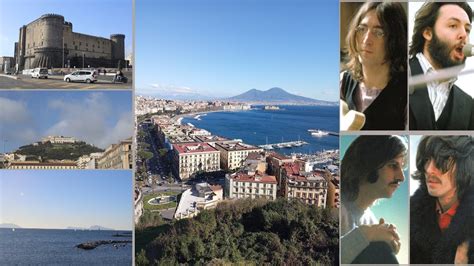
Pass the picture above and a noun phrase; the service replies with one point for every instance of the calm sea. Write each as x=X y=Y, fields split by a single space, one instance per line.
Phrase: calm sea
x=290 y=123
x=57 y=247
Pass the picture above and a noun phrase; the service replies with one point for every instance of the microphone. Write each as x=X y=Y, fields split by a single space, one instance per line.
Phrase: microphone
x=468 y=50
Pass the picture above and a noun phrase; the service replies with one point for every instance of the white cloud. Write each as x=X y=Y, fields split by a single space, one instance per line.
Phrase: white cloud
x=13 y=111
x=171 y=89
x=87 y=120
x=16 y=122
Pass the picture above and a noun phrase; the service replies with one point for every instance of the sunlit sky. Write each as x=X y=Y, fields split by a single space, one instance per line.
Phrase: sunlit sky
x=224 y=48
x=62 y=198
x=97 y=18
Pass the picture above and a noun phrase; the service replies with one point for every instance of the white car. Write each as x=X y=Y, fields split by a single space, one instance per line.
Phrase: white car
x=39 y=73
x=88 y=76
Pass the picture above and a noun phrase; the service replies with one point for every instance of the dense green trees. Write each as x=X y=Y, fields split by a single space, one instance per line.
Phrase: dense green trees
x=249 y=232
x=69 y=151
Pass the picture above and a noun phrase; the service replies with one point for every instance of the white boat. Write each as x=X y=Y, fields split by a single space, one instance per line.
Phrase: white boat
x=319 y=133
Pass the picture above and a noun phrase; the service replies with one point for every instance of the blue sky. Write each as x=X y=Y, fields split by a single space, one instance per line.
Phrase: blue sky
x=99 y=118
x=393 y=210
x=98 y=18
x=224 y=48
x=59 y=198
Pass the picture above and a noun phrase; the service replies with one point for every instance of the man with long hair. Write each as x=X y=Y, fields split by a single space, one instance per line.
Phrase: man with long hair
x=442 y=208
x=441 y=31
x=375 y=82
x=372 y=168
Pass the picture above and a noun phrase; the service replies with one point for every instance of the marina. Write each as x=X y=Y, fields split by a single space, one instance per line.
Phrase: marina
x=289 y=144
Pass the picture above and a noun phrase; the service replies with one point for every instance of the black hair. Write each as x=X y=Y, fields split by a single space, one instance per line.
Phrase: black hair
x=449 y=153
x=364 y=157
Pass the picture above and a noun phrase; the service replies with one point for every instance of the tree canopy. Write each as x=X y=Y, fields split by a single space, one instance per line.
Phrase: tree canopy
x=249 y=232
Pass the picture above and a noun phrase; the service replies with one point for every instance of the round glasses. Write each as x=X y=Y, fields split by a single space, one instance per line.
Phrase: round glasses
x=361 y=30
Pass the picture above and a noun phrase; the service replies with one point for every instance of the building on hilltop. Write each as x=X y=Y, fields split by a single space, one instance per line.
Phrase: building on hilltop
x=58 y=140
x=50 y=42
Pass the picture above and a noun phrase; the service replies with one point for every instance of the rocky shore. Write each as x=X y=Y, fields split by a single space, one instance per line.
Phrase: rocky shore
x=94 y=244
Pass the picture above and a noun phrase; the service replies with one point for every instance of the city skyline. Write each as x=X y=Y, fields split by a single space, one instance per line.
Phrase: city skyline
x=14 y=16
x=57 y=199
x=221 y=49
x=97 y=118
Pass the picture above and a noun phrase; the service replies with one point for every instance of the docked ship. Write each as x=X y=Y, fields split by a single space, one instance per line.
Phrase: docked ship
x=318 y=132
x=271 y=107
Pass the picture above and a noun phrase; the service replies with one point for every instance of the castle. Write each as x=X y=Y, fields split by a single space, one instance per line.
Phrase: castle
x=50 y=42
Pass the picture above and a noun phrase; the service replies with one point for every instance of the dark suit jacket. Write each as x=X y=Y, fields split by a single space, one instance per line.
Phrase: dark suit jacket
x=388 y=110
x=458 y=113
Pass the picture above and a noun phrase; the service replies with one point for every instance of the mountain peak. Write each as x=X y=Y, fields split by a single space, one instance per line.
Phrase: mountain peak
x=277 y=96
x=277 y=89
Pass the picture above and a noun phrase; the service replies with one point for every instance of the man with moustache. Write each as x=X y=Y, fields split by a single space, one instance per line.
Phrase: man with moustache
x=441 y=31
x=442 y=208
x=372 y=168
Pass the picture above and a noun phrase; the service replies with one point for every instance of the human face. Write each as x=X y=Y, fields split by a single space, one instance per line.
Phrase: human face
x=390 y=176
x=451 y=33
x=440 y=185
x=370 y=45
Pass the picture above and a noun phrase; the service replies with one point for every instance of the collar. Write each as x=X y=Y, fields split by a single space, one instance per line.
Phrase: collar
x=444 y=218
x=428 y=69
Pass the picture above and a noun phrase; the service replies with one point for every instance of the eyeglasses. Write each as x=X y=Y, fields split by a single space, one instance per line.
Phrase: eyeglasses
x=361 y=30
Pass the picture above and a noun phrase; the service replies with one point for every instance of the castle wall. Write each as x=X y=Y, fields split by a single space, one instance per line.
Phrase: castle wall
x=41 y=45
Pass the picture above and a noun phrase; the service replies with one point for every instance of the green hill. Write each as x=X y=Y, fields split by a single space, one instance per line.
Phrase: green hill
x=49 y=151
x=246 y=232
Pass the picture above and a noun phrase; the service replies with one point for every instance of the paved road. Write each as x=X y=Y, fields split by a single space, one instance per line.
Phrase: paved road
x=57 y=82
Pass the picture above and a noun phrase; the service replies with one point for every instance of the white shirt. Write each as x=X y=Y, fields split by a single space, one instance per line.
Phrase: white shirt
x=353 y=241
x=438 y=91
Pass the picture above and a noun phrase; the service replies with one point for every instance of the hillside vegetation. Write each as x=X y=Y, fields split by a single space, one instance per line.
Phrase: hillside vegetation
x=49 y=151
x=246 y=232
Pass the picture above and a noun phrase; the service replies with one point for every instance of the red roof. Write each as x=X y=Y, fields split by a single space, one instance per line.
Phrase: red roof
x=291 y=168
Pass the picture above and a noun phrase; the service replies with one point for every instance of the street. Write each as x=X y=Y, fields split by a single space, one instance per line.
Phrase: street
x=57 y=82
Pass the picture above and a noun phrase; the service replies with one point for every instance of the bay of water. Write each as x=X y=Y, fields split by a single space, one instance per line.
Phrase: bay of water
x=58 y=247
x=290 y=123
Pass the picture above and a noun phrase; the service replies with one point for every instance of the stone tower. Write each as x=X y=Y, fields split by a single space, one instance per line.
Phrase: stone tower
x=49 y=53
x=118 y=49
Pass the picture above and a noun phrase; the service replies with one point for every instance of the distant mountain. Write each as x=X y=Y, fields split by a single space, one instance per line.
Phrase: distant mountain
x=9 y=226
x=98 y=227
x=181 y=96
x=276 y=96
x=93 y=227
x=58 y=151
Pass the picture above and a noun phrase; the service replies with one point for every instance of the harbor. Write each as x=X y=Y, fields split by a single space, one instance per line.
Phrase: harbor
x=281 y=145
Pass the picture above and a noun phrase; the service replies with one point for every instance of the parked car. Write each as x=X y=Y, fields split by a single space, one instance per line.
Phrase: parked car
x=88 y=76
x=39 y=73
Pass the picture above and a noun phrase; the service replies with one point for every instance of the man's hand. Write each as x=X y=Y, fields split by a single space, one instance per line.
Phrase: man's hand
x=382 y=232
x=461 y=253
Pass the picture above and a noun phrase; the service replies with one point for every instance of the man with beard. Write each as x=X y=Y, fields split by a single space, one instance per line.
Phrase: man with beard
x=440 y=33
x=442 y=208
